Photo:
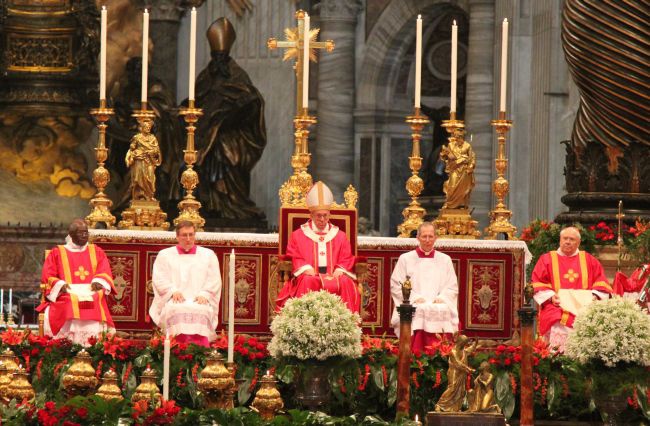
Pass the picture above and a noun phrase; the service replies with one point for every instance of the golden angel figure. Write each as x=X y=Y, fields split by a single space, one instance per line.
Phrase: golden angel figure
x=460 y=163
x=143 y=157
x=452 y=398
x=481 y=398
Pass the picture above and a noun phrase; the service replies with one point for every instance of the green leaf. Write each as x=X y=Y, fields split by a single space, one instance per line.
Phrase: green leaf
x=502 y=386
x=378 y=377
x=643 y=400
x=551 y=394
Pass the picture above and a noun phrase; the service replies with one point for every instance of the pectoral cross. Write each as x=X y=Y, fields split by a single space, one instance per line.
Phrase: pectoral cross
x=294 y=45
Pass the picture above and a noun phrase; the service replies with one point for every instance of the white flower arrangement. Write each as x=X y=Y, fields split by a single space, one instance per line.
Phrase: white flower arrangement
x=316 y=326
x=611 y=331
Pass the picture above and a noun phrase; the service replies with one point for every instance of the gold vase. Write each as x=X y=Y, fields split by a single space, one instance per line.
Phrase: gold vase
x=109 y=389
x=80 y=378
x=5 y=381
x=20 y=389
x=148 y=389
x=215 y=380
x=268 y=400
x=8 y=358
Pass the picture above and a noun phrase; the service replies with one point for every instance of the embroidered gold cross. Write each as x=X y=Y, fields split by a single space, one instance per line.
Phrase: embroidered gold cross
x=82 y=273
x=571 y=275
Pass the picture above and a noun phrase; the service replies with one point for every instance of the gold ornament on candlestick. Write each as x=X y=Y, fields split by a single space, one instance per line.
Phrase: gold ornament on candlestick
x=80 y=378
x=189 y=206
x=5 y=381
x=454 y=219
x=8 y=358
x=148 y=390
x=500 y=216
x=294 y=190
x=100 y=204
x=268 y=401
x=414 y=213
x=214 y=381
x=109 y=388
x=10 y=320
x=20 y=389
x=143 y=157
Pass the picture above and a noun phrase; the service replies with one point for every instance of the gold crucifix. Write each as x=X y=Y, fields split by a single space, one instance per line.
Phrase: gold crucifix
x=294 y=47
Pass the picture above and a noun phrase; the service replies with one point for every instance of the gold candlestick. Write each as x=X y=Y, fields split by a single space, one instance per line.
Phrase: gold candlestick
x=145 y=212
x=414 y=213
x=294 y=190
x=189 y=206
x=2 y=320
x=10 y=320
x=100 y=204
x=500 y=216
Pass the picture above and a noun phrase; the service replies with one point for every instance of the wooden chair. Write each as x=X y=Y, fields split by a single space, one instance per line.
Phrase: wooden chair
x=291 y=218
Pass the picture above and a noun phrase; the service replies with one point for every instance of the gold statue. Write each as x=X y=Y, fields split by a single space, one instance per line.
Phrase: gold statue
x=452 y=398
x=481 y=398
x=143 y=157
x=460 y=162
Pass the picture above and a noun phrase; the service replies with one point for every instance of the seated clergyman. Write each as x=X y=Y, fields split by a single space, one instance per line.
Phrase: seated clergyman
x=187 y=289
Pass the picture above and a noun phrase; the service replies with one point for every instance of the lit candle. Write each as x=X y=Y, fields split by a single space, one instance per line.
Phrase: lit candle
x=504 y=63
x=305 y=64
x=231 y=307
x=2 y=303
x=102 y=56
x=418 y=60
x=11 y=290
x=454 y=65
x=192 y=52
x=166 y=350
x=145 y=54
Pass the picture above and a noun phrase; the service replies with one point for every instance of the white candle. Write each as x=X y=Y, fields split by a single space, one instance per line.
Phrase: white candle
x=2 y=302
x=11 y=290
x=231 y=307
x=504 y=63
x=102 y=56
x=418 y=60
x=166 y=350
x=454 y=65
x=145 y=54
x=192 y=52
x=305 y=64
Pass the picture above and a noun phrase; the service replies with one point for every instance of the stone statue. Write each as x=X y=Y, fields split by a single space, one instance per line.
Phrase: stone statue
x=460 y=162
x=481 y=398
x=231 y=135
x=452 y=398
x=142 y=158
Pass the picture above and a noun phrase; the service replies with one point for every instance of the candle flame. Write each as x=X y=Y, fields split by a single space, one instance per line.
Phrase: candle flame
x=146 y=11
x=419 y=17
x=268 y=372
x=416 y=417
x=193 y=9
x=103 y=7
x=505 y=19
x=454 y=24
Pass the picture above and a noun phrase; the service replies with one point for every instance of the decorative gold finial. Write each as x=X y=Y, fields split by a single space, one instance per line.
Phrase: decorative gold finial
x=109 y=388
x=214 y=380
x=147 y=389
x=268 y=401
x=20 y=389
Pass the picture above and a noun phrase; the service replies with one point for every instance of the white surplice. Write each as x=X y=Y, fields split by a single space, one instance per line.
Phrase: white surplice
x=193 y=275
x=434 y=280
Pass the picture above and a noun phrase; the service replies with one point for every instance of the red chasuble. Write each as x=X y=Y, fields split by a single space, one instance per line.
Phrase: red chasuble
x=330 y=249
x=76 y=268
x=555 y=272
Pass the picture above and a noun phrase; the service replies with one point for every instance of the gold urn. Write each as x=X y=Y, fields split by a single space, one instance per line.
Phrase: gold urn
x=20 y=389
x=109 y=388
x=268 y=400
x=5 y=381
x=80 y=378
x=215 y=380
x=147 y=389
x=8 y=358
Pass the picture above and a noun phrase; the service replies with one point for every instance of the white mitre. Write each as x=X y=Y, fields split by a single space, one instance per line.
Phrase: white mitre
x=319 y=197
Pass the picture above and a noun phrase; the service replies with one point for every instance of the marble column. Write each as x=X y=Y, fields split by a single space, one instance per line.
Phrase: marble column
x=165 y=20
x=333 y=150
x=479 y=106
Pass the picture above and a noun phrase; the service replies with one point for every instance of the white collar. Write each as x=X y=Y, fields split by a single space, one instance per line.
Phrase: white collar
x=72 y=246
x=559 y=252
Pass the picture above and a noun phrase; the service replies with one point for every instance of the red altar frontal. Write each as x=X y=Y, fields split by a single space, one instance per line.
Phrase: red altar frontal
x=491 y=278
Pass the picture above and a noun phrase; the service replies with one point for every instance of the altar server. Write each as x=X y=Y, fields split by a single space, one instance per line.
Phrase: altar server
x=187 y=289
x=564 y=282
x=321 y=255
x=77 y=278
x=434 y=290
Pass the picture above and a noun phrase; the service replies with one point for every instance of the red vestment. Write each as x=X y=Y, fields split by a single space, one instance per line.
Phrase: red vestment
x=76 y=267
x=310 y=249
x=554 y=272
